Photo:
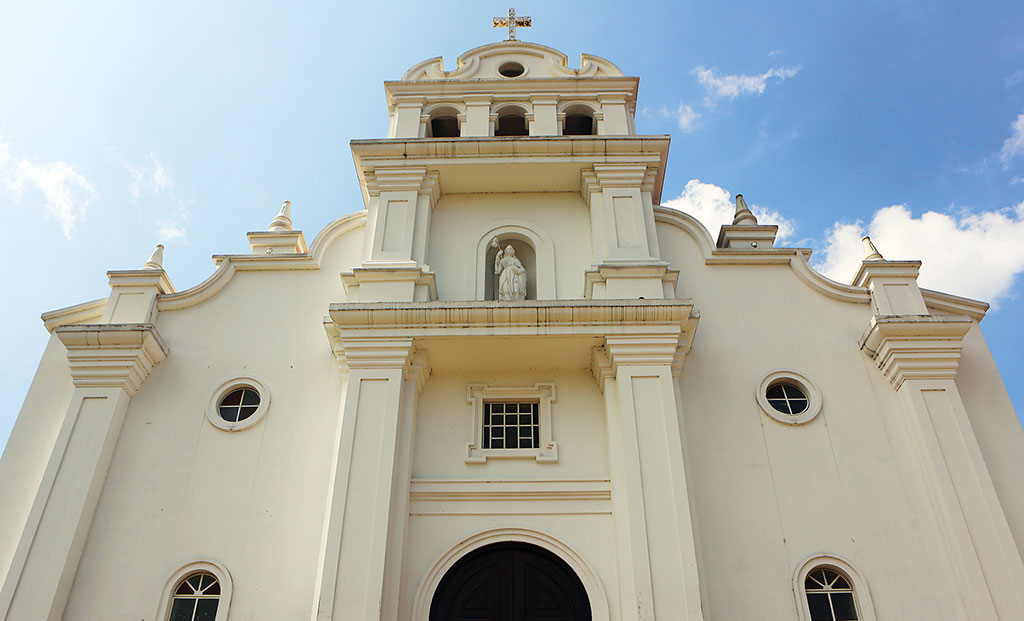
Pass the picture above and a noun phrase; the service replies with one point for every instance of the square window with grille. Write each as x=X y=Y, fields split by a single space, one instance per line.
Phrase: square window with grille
x=511 y=425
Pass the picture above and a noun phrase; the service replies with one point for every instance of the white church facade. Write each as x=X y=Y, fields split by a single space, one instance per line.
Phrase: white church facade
x=515 y=387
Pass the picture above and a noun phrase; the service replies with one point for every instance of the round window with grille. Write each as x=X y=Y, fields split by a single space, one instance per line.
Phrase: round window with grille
x=238 y=403
x=788 y=397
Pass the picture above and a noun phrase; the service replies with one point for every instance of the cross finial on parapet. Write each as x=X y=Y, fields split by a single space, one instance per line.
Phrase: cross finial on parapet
x=511 y=22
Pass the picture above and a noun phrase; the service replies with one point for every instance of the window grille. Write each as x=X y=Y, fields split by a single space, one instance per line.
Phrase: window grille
x=787 y=398
x=196 y=598
x=511 y=425
x=829 y=596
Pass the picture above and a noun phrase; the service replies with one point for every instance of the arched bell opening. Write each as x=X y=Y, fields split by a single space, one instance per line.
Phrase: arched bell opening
x=511 y=122
x=527 y=255
x=444 y=123
x=579 y=121
x=510 y=581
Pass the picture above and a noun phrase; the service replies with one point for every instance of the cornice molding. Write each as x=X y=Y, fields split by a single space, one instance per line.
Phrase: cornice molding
x=954 y=305
x=647 y=154
x=916 y=346
x=77 y=314
x=796 y=258
x=141 y=278
x=530 y=317
x=112 y=355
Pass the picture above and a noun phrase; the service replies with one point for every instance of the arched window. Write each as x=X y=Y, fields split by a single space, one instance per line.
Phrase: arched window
x=196 y=598
x=511 y=122
x=444 y=123
x=198 y=591
x=830 y=595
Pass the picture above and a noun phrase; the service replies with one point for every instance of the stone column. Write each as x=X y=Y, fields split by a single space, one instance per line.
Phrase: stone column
x=108 y=364
x=367 y=510
x=657 y=559
x=919 y=354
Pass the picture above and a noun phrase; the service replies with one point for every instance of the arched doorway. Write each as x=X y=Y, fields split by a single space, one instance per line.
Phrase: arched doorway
x=510 y=581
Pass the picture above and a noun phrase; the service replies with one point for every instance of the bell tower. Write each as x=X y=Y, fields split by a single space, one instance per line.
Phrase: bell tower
x=511 y=117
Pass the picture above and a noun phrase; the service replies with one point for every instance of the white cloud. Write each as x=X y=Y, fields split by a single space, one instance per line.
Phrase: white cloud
x=714 y=206
x=152 y=177
x=685 y=116
x=1014 y=145
x=171 y=229
x=152 y=182
x=976 y=255
x=732 y=86
x=1017 y=77
x=66 y=192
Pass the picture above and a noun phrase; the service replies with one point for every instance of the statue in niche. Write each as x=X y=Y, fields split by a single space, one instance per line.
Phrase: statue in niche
x=511 y=275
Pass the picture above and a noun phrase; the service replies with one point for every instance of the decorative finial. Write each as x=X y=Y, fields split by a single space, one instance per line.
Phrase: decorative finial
x=156 y=260
x=743 y=214
x=283 y=221
x=870 y=252
x=511 y=22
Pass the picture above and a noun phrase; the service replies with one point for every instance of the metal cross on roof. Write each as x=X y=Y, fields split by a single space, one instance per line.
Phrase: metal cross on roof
x=511 y=22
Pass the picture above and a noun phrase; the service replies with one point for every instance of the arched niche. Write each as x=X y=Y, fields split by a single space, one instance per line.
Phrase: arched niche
x=533 y=247
x=591 y=582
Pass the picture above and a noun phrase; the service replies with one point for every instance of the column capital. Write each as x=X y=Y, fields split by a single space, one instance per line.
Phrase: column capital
x=601 y=176
x=655 y=350
x=112 y=355
x=379 y=353
x=916 y=346
x=402 y=179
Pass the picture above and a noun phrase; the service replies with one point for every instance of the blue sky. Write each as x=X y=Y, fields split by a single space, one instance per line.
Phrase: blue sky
x=125 y=124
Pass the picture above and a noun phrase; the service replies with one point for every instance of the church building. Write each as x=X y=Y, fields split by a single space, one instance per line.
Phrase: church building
x=513 y=387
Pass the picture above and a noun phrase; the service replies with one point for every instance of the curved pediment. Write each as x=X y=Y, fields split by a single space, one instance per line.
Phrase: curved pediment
x=490 y=62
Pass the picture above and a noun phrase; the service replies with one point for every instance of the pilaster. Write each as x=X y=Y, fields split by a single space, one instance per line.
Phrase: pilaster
x=406 y=117
x=626 y=254
x=545 y=115
x=133 y=295
x=367 y=511
x=919 y=355
x=893 y=286
x=658 y=570
x=478 y=116
x=108 y=364
x=614 y=115
x=400 y=201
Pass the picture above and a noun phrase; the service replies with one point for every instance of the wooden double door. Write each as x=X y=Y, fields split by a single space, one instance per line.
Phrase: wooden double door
x=510 y=581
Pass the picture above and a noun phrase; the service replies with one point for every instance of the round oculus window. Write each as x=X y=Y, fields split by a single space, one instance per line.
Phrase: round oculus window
x=239 y=404
x=511 y=70
x=788 y=397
